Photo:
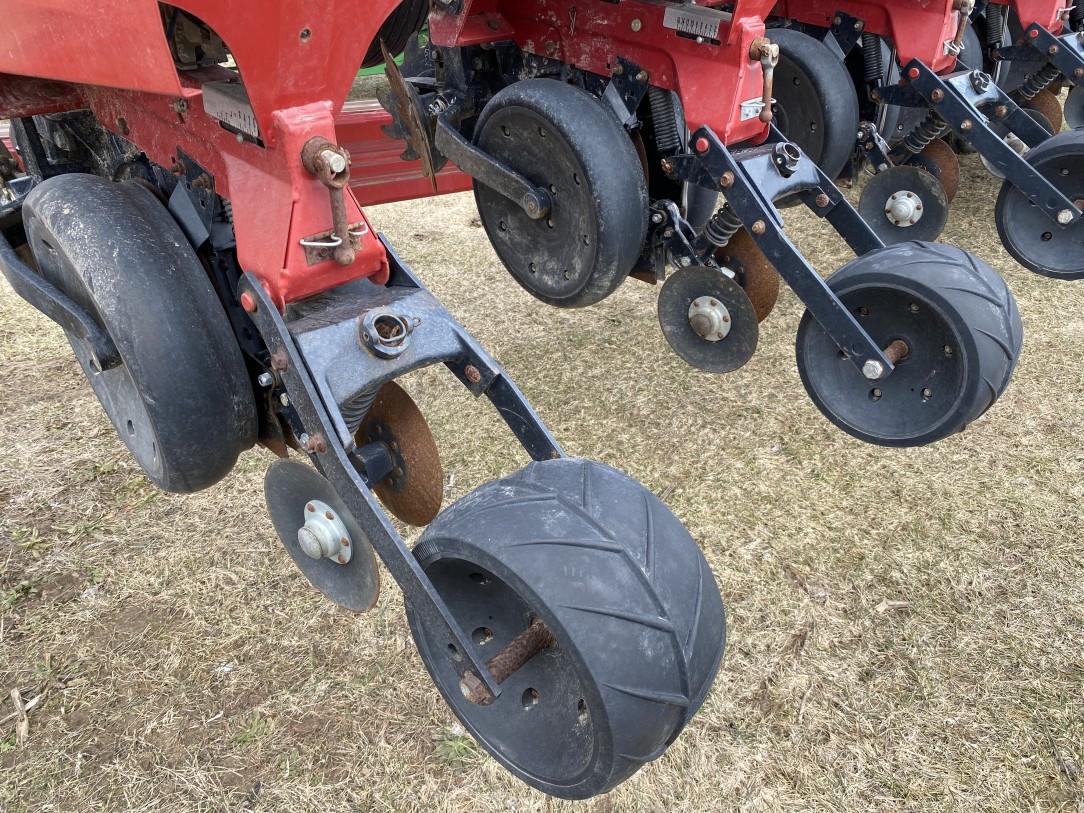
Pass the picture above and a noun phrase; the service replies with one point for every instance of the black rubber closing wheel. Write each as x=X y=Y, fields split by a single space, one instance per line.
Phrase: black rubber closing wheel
x=708 y=319
x=816 y=105
x=634 y=608
x=1028 y=234
x=904 y=203
x=396 y=31
x=959 y=323
x=1074 y=107
x=563 y=140
x=181 y=400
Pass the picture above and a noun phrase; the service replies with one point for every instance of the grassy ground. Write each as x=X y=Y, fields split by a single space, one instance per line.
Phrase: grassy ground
x=906 y=626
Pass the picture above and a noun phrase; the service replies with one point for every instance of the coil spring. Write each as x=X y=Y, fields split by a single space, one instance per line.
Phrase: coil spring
x=355 y=410
x=995 y=24
x=1038 y=82
x=227 y=211
x=929 y=129
x=664 y=120
x=1076 y=15
x=872 y=59
x=723 y=225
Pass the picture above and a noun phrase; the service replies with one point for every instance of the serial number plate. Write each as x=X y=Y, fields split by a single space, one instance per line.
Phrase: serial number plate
x=694 y=21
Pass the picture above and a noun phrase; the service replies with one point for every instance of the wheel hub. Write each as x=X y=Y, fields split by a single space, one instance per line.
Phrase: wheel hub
x=709 y=318
x=904 y=208
x=324 y=536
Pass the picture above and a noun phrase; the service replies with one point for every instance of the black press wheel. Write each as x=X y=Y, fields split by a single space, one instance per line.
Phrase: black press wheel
x=637 y=622
x=181 y=399
x=961 y=329
x=1030 y=236
x=816 y=102
x=563 y=140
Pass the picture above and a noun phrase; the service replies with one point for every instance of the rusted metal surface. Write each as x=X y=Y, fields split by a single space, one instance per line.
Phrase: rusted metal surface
x=414 y=490
x=533 y=640
x=758 y=276
x=897 y=351
x=941 y=155
x=408 y=117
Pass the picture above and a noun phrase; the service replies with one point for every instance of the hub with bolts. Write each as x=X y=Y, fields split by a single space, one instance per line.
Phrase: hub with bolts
x=324 y=536
x=709 y=319
x=904 y=208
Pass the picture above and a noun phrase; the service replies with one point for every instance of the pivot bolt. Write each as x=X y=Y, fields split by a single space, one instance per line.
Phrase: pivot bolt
x=334 y=160
x=266 y=380
x=873 y=369
x=1065 y=217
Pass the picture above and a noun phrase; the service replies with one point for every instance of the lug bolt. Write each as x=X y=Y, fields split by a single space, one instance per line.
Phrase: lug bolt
x=873 y=369
x=1065 y=217
x=266 y=380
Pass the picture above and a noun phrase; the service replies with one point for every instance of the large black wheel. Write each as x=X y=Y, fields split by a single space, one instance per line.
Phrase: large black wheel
x=181 y=399
x=636 y=616
x=1028 y=234
x=959 y=332
x=403 y=23
x=816 y=105
x=563 y=140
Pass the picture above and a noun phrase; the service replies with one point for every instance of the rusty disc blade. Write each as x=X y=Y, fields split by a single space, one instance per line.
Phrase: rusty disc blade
x=405 y=100
x=415 y=489
x=941 y=161
x=755 y=274
x=1049 y=105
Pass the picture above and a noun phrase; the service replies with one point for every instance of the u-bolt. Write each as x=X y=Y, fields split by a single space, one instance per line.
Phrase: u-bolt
x=331 y=164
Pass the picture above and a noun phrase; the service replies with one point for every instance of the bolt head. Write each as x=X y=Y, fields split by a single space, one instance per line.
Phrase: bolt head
x=1065 y=217
x=334 y=160
x=636 y=24
x=873 y=369
x=266 y=380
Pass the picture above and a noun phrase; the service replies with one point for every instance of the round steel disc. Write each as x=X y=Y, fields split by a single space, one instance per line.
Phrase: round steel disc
x=1074 y=107
x=941 y=161
x=757 y=277
x=675 y=299
x=1047 y=103
x=916 y=188
x=288 y=487
x=1035 y=240
x=414 y=491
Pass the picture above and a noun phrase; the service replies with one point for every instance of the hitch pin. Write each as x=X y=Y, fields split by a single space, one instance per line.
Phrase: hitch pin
x=508 y=661
x=766 y=53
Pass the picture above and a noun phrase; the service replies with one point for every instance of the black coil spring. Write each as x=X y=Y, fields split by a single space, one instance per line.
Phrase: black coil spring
x=1038 y=82
x=355 y=410
x=664 y=120
x=929 y=129
x=873 y=63
x=723 y=225
x=1076 y=15
x=995 y=24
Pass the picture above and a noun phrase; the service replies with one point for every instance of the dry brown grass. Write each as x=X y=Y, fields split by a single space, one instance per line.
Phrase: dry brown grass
x=906 y=626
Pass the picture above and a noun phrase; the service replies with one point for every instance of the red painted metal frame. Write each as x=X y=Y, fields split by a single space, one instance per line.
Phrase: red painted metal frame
x=377 y=173
x=712 y=80
x=297 y=59
x=1047 y=13
x=917 y=29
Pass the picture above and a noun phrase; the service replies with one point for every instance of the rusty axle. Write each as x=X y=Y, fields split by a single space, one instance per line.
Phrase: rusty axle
x=508 y=661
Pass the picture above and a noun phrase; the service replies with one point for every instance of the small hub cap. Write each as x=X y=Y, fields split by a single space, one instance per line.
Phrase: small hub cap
x=904 y=208
x=709 y=319
x=324 y=536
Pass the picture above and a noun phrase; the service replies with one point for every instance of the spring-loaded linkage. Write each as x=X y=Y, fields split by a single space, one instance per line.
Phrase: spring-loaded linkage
x=355 y=410
x=872 y=60
x=723 y=225
x=929 y=129
x=664 y=120
x=1038 y=82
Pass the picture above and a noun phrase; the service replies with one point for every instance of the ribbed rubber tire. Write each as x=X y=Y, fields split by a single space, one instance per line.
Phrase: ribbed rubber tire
x=404 y=22
x=967 y=295
x=181 y=400
x=627 y=593
x=810 y=77
x=591 y=161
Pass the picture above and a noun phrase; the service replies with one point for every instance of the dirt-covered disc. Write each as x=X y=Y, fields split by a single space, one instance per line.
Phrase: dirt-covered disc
x=1047 y=104
x=941 y=161
x=289 y=487
x=756 y=275
x=415 y=488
